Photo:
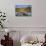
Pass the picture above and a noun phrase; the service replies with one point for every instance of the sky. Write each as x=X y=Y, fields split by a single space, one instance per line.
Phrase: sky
x=22 y=6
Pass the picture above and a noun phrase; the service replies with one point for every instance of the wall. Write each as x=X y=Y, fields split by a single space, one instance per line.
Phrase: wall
x=17 y=35
x=38 y=18
x=35 y=23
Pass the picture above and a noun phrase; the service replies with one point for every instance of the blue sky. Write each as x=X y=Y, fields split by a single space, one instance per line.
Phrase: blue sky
x=23 y=6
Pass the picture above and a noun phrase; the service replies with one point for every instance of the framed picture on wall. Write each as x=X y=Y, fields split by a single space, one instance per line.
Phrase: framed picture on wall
x=23 y=10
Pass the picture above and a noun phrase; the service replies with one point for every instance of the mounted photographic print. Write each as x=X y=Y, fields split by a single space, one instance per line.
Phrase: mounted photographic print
x=23 y=10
